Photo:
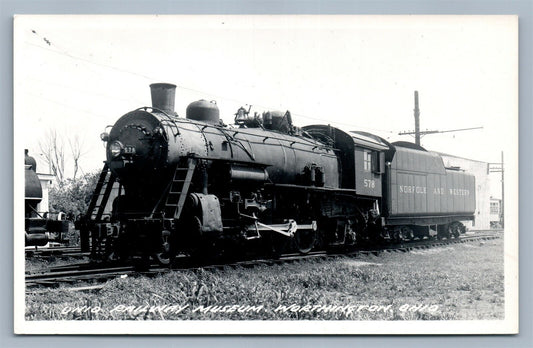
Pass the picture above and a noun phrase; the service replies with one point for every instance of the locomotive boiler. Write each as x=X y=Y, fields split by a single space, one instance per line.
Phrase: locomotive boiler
x=195 y=185
x=38 y=229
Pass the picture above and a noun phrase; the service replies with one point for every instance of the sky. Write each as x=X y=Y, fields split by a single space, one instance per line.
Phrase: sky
x=79 y=74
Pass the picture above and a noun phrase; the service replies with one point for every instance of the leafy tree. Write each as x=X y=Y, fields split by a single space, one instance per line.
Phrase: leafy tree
x=72 y=196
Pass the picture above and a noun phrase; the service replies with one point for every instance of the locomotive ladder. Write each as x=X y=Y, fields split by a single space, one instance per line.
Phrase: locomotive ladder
x=101 y=194
x=178 y=189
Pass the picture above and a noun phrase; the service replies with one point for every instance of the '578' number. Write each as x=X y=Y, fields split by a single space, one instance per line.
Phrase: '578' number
x=370 y=183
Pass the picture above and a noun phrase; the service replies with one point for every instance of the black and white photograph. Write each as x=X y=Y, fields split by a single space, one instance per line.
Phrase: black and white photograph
x=266 y=174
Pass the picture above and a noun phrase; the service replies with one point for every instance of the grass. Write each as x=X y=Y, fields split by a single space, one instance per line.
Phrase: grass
x=459 y=282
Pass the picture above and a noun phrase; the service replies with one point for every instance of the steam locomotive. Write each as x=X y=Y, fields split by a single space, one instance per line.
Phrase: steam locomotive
x=197 y=186
x=39 y=230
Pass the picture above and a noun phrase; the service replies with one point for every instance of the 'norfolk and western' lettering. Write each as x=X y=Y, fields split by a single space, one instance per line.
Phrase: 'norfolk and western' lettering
x=411 y=189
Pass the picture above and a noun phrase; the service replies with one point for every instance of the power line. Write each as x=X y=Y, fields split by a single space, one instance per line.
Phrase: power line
x=418 y=133
x=85 y=92
x=67 y=106
x=75 y=57
x=422 y=133
x=65 y=53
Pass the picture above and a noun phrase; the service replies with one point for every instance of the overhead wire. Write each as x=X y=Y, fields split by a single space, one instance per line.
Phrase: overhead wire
x=92 y=113
x=204 y=93
x=84 y=92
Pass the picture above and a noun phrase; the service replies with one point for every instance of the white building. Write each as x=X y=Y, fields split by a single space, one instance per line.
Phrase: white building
x=480 y=170
x=495 y=212
x=46 y=181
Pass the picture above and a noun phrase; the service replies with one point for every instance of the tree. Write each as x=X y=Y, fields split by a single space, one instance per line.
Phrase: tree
x=73 y=196
x=54 y=154
x=52 y=147
x=76 y=151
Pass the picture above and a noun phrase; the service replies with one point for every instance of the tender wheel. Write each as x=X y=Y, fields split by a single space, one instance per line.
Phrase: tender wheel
x=443 y=231
x=449 y=231
x=396 y=236
x=456 y=230
x=306 y=239
x=406 y=233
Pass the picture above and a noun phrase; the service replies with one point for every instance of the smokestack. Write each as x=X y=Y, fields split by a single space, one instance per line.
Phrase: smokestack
x=163 y=95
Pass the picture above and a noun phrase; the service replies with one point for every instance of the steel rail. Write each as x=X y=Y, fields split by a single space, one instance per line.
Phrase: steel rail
x=73 y=252
x=84 y=272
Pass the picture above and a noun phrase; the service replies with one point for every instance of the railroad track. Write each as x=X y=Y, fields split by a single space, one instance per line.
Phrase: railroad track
x=93 y=273
x=67 y=252
x=76 y=274
x=400 y=247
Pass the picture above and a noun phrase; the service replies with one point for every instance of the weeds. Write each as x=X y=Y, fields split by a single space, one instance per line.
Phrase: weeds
x=460 y=283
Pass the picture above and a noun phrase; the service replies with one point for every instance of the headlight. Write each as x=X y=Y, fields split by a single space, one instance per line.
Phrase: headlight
x=116 y=148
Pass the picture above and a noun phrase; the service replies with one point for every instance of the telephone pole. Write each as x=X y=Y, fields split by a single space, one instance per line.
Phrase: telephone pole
x=503 y=195
x=499 y=168
x=417 y=120
x=418 y=134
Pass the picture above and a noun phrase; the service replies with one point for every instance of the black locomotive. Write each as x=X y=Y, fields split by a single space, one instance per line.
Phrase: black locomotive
x=191 y=185
x=39 y=230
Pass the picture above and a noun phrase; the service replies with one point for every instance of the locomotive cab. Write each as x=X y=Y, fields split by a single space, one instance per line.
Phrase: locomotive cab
x=361 y=156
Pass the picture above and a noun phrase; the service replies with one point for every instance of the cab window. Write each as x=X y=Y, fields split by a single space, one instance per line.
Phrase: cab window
x=367 y=160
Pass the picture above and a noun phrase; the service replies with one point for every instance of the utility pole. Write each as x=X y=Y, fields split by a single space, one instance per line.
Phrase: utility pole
x=503 y=195
x=418 y=134
x=499 y=168
x=417 y=120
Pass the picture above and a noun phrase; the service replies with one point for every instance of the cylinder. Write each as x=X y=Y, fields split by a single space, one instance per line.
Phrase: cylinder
x=36 y=239
x=163 y=96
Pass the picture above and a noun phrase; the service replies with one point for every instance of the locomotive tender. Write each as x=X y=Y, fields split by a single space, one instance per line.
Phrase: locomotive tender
x=185 y=185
